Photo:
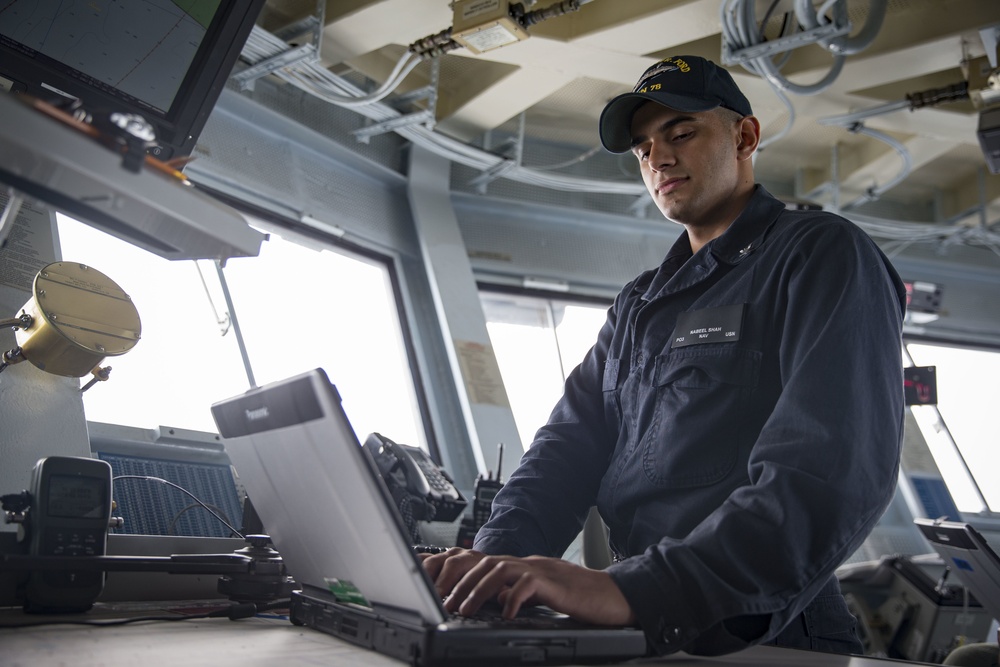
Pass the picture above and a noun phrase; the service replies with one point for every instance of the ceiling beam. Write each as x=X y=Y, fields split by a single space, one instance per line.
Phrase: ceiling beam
x=975 y=192
x=505 y=99
x=879 y=170
x=379 y=23
x=542 y=66
x=630 y=27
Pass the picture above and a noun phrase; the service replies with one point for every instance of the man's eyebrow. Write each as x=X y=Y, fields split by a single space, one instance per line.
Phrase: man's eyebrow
x=663 y=127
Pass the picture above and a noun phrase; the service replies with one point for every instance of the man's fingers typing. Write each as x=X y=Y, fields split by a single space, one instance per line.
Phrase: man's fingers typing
x=469 y=579
x=448 y=568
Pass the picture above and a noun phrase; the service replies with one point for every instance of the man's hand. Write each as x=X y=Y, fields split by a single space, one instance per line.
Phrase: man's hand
x=469 y=578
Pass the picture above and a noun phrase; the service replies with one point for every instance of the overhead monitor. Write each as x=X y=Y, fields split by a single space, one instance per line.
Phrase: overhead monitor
x=166 y=60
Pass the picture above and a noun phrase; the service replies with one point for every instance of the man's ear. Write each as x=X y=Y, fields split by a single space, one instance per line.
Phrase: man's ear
x=748 y=128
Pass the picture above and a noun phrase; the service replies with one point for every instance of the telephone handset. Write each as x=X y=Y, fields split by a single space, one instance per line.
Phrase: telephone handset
x=412 y=470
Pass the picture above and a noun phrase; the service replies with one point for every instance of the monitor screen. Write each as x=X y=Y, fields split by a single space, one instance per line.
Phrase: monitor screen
x=166 y=60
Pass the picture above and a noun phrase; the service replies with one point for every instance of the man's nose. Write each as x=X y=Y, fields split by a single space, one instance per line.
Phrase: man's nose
x=661 y=156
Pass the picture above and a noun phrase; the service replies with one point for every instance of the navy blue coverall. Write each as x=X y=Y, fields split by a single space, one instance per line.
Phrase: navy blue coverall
x=738 y=423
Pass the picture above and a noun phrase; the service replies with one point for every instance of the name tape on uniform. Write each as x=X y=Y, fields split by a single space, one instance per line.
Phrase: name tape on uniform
x=709 y=325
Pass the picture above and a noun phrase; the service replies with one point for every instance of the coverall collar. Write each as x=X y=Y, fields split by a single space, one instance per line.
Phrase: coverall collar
x=740 y=240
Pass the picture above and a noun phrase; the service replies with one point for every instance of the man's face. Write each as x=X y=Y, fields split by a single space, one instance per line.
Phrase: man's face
x=690 y=164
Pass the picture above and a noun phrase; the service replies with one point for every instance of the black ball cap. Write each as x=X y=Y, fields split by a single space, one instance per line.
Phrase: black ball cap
x=683 y=83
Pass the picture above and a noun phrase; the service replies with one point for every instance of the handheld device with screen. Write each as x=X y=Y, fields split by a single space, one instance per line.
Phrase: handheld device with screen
x=69 y=516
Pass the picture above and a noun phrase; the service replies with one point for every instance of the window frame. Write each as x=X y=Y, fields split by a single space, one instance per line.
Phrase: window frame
x=548 y=298
x=320 y=237
x=296 y=232
x=991 y=516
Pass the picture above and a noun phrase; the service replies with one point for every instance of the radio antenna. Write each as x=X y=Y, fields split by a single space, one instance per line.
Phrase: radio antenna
x=499 y=459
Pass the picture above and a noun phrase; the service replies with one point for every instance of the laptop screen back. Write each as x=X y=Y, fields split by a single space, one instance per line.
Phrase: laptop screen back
x=969 y=556
x=319 y=495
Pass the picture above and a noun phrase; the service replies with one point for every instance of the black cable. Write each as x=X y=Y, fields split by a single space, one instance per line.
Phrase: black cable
x=172 y=526
x=782 y=32
x=233 y=612
x=550 y=12
x=435 y=45
x=952 y=93
x=767 y=17
x=282 y=603
x=185 y=491
x=119 y=621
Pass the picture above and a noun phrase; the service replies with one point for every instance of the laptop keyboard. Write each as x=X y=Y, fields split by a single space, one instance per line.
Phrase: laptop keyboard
x=491 y=613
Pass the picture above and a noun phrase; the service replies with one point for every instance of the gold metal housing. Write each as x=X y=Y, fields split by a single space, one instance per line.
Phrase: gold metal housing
x=79 y=317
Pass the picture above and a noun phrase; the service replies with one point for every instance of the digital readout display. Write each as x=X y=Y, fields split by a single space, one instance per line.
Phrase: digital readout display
x=76 y=497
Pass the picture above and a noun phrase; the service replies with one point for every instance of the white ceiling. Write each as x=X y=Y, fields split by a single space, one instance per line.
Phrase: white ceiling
x=561 y=77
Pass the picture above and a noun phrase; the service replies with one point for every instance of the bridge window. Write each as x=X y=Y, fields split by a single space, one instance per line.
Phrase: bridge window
x=962 y=431
x=298 y=307
x=538 y=341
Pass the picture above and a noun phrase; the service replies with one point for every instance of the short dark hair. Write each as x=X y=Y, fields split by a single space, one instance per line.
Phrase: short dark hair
x=728 y=114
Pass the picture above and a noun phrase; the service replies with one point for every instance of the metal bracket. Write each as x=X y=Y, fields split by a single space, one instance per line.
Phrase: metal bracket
x=427 y=117
x=293 y=30
x=493 y=173
x=782 y=44
x=428 y=92
x=366 y=133
x=312 y=24
x=247 y=77
x=22 y=321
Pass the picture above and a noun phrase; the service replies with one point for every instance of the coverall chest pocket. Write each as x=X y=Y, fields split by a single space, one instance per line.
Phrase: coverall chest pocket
x=702 y=397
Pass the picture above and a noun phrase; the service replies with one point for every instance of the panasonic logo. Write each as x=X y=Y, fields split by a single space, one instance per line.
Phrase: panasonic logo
x=259 y=413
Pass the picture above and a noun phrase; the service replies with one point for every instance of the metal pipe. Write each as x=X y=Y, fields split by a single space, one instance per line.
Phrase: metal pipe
x=236 y=325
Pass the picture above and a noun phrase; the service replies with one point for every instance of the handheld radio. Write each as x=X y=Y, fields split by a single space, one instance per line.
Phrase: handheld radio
x=482 y=503
x=69 y=516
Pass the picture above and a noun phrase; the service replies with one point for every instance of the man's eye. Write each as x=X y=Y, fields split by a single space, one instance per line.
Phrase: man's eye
x=681 y=136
